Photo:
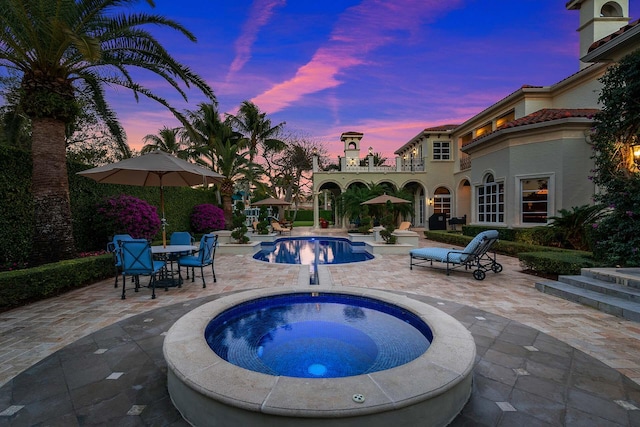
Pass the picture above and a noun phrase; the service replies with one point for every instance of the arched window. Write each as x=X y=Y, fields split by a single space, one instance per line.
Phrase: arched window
x=611 y=9
x=491 y=201
x=442 y=201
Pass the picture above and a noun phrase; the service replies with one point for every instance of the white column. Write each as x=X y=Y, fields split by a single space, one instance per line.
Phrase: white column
x=316 y=213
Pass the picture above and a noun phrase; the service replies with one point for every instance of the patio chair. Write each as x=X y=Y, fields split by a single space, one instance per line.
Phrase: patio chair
x=204 y=256
x=137 y=260
x=280 y=229
x=475 y=256
x=180 y=238
x=114 y=247
x=404 y=226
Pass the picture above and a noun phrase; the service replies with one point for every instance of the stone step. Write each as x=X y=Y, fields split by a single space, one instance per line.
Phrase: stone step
x=608 y=304
x=622 y=276
x=604 y=287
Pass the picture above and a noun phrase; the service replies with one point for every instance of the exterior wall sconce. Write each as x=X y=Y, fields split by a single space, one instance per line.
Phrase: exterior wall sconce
x=430 y=202
x=635 y=150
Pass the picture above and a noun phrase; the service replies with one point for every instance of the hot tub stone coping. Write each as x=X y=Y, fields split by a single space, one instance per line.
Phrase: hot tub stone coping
x=190 y=360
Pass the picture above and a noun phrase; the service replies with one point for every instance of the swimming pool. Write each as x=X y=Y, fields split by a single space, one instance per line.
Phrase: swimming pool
x=313 y=251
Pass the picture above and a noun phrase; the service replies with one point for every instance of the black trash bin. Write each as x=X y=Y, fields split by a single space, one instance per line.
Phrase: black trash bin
x=438 y=221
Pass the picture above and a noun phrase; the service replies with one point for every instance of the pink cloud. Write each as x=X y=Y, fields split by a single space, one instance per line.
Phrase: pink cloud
x=259 y=15
x=360 y=29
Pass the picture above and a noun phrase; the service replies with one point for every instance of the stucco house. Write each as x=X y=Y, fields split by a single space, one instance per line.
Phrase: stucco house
x=516 y=163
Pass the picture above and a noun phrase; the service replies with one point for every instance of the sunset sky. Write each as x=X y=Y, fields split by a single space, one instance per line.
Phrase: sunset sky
x=387 y=68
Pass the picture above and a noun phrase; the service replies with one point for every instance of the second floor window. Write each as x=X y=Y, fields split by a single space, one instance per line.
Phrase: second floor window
x=441 y=150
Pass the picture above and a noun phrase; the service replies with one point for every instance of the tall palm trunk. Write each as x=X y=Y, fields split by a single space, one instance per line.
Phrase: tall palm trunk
x=226 y=191
x=53 y=231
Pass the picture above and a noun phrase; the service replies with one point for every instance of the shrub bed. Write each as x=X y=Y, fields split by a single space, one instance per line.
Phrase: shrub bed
x=561 y=263
x=20 y=287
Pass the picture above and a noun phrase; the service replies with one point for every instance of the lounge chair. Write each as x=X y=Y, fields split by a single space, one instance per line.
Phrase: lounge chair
x=475 y=256
x=405 y=225
x=280 y=229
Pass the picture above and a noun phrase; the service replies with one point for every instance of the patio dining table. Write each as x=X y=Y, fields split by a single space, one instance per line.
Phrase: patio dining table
x=167 y=276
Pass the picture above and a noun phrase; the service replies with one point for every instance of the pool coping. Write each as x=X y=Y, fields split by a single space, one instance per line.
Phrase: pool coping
x=196 y=375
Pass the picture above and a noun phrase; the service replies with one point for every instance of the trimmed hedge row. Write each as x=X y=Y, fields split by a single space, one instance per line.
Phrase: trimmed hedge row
x=16 y=209
x=20 y=287
x=307 y=215
x=561 y=263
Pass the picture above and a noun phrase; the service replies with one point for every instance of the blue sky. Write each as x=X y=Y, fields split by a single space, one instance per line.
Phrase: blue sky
x=387 y=68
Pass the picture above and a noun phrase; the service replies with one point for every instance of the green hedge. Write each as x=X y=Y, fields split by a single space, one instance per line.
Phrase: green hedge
x=306 y=215
x=20 y=287
x=16 y=211
x=564 y=263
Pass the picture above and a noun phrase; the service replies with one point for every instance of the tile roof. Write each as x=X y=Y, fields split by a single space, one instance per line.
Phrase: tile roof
x=542 y=116
x=612 y=36
x=441 y=128
x=549 y=114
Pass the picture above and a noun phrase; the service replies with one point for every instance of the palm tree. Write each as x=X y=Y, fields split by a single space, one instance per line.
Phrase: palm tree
x=256 y=129
x=64 y=48
x=167 y=140
x=216 y=145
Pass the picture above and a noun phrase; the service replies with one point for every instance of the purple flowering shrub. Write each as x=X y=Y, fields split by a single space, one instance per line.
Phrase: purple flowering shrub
x=206 y=218
x=128 y=215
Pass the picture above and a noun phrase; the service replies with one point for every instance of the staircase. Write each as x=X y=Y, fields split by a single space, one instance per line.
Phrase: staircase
x=614 y=291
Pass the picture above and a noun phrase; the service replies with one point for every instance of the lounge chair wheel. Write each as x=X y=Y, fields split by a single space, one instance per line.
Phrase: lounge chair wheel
x=479 y=275
x=496 y=268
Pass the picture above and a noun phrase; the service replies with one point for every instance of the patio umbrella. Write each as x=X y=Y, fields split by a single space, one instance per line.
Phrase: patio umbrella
x=154 y=169
x=272 y=201
x=382 y=200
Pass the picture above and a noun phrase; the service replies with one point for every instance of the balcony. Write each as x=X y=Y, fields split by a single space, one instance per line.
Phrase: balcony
x=465 y=163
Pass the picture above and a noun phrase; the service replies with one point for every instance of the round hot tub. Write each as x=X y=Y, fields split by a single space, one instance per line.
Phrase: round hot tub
x=424 y=388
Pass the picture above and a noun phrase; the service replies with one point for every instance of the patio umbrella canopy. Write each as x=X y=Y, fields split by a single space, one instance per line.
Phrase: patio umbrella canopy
x=155 y=169
x=382 y=200
x=272 y=201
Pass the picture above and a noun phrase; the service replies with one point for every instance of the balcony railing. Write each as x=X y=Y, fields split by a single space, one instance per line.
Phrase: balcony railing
x=465 y=163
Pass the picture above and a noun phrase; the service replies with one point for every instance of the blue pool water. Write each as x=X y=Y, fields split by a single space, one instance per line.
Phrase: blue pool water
x=306 y=250
x=316 y=335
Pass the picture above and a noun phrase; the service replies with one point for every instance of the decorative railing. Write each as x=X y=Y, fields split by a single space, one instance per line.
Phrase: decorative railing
x=465 y=163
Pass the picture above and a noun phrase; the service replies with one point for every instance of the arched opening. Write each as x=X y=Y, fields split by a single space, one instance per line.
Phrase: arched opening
x=611 y=10
x=442 y=201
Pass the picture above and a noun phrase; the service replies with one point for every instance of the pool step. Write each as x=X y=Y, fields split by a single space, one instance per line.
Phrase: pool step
x=606 y=290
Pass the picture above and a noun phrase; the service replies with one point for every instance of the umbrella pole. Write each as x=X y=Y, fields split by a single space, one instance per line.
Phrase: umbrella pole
x=163 y=220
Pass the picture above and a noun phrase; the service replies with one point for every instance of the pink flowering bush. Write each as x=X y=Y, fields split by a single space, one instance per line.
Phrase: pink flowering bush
x=128 y=215
x=206 y=218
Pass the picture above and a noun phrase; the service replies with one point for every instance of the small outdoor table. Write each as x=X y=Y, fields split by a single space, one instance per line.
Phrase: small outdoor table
x=168 y=278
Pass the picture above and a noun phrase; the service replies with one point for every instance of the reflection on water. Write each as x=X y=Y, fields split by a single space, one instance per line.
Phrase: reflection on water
x=310 y=251
x=321 y=335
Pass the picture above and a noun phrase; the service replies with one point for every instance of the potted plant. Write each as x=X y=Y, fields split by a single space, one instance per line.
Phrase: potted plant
x=324 y=223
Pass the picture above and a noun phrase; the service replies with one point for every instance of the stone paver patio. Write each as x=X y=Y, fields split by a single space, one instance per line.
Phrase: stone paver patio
x=540 y=358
